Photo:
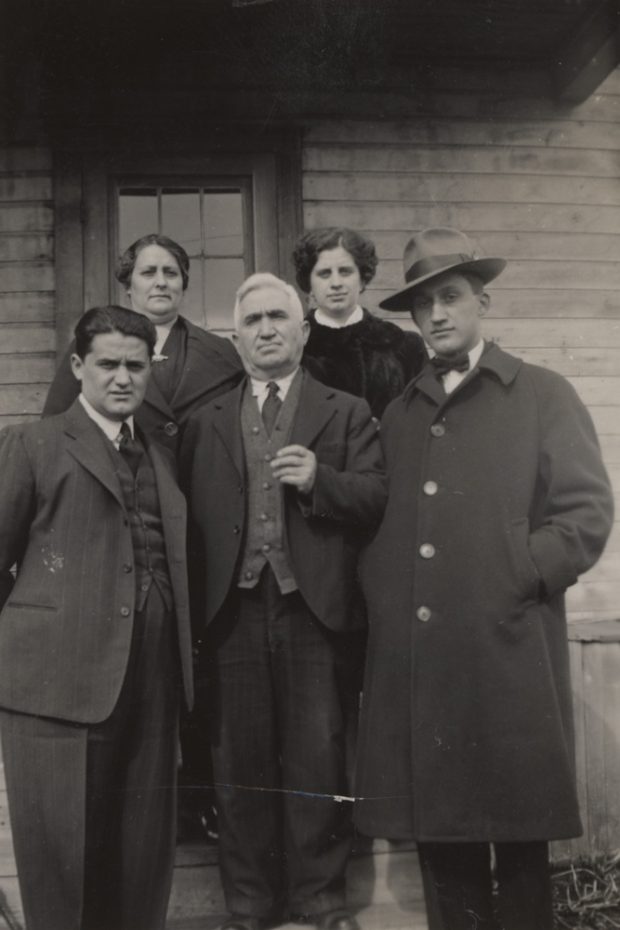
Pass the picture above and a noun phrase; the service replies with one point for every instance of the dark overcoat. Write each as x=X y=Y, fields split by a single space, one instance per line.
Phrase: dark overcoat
x=212 y=367
x=498 y=501
x=373 y=358
x=66 y=626
x=322 y=535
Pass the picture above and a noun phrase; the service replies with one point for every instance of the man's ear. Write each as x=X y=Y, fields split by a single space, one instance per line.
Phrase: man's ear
x=77 y=365
x=485 y=303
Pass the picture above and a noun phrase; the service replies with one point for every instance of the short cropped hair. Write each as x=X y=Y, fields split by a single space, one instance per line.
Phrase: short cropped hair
x=260 y=281
x=308 y=248
x=127 y=261
x=112 y=319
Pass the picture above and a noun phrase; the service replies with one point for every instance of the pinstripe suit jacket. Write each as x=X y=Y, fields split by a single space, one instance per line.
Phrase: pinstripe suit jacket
x=66 y=625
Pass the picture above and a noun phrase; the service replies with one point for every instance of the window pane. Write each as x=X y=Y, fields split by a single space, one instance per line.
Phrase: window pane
x=223 y=277
x=223 y=223
x=137 y=215
x=180 y=218
x=193 y=302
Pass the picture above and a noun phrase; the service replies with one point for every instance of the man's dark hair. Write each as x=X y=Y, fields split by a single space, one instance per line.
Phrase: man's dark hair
x=127 y=261
x=112 y=319
x=308 y=248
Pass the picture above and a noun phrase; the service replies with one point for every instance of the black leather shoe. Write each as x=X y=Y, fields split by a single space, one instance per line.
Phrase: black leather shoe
x=339 y=919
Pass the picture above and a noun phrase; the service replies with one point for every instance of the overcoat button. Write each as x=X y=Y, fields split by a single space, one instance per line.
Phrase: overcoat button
x=171 y=429
x=430 y=488
x=423 y=614
x=427 y=550
x=438 y=430
x=125 y=611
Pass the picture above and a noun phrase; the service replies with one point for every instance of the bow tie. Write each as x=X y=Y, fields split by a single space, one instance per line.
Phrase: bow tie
x=443 y=365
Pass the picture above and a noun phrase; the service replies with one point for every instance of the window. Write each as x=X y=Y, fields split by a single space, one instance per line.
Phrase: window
x=212 y=220
x=235 y=210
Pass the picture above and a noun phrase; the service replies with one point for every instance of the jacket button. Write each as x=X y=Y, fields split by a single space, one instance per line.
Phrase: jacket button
x=236 y=530
x=264 y=517
x=438 y=430
x=125 y=611
x=255 y=430
x=127 y=567
x=430 y=488
x=249 y=576
x=427 y=550
x=423 y=613
x=195 y=652
x=171 y=429
x=266 y=547
x=268 y=456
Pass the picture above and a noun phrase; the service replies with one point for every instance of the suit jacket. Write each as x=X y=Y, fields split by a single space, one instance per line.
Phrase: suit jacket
x=212 y=367
x=66 y=626
x=322 y=536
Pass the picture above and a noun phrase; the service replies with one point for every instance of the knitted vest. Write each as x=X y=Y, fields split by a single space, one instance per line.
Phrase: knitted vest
x=264 y=541
x=147 y=536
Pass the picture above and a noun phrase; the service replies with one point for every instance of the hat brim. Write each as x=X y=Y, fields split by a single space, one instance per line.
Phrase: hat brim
x=485 y=268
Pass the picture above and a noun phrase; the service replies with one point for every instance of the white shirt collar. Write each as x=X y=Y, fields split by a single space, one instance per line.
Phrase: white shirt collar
x=110 y=427
x=356 y=317
x=259 y=388
x=473 y=355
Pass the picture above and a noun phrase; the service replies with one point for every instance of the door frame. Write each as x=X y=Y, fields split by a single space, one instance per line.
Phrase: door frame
x=84 y=188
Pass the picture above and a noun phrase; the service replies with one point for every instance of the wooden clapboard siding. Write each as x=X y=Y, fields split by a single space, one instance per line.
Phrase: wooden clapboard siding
x=536 y=183
x=27 y=282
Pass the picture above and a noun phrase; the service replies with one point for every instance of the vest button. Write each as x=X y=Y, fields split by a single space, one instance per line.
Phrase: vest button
x=125 y=611
x=437 y=429
x=427 y=550
x=144 y=587
x=264 y=517
x=268 y=456
x=171 y=429
x=423 y=613
x=430 y=488
x=266 y=547
x=266 y=486
x=127 y=567
x=255 y=430
x=248 y=576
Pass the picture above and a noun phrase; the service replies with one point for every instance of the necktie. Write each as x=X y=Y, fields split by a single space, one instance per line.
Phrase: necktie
x=129 y=448
x=443 y=365
x=271 y=406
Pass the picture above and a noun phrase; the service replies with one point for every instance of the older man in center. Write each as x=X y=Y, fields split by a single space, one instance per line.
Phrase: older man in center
x=284 y=479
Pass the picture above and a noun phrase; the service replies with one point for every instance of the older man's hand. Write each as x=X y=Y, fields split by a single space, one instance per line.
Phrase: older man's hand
x=295 y=465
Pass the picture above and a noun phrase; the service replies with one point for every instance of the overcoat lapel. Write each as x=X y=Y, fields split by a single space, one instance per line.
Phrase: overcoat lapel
x=316 y=408
x=86 y=446
x=155 y=398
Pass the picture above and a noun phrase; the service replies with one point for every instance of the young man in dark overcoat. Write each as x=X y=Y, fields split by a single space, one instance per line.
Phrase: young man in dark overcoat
x=498 y=500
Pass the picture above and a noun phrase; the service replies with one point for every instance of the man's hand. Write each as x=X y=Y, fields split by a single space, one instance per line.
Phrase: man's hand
x=295 y=465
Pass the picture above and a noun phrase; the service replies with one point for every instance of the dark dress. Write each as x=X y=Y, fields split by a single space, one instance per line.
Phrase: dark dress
x=373 y=359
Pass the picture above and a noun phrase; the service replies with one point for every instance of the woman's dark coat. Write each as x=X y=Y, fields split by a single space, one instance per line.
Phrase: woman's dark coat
x=498 y=501
x=373 y=359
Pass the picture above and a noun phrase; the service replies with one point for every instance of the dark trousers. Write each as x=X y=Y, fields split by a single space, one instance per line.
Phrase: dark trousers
x=284 y=689
x=458 y=880
x=92 y=807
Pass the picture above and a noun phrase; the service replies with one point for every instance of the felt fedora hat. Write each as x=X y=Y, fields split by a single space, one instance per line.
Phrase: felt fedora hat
x=434 y=251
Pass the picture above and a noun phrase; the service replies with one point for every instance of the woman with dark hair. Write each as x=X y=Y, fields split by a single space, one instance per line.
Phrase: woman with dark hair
x=190 y=366
x=349 y=348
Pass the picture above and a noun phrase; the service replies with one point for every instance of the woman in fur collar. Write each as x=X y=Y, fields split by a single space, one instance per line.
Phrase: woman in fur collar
x=349 y=348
